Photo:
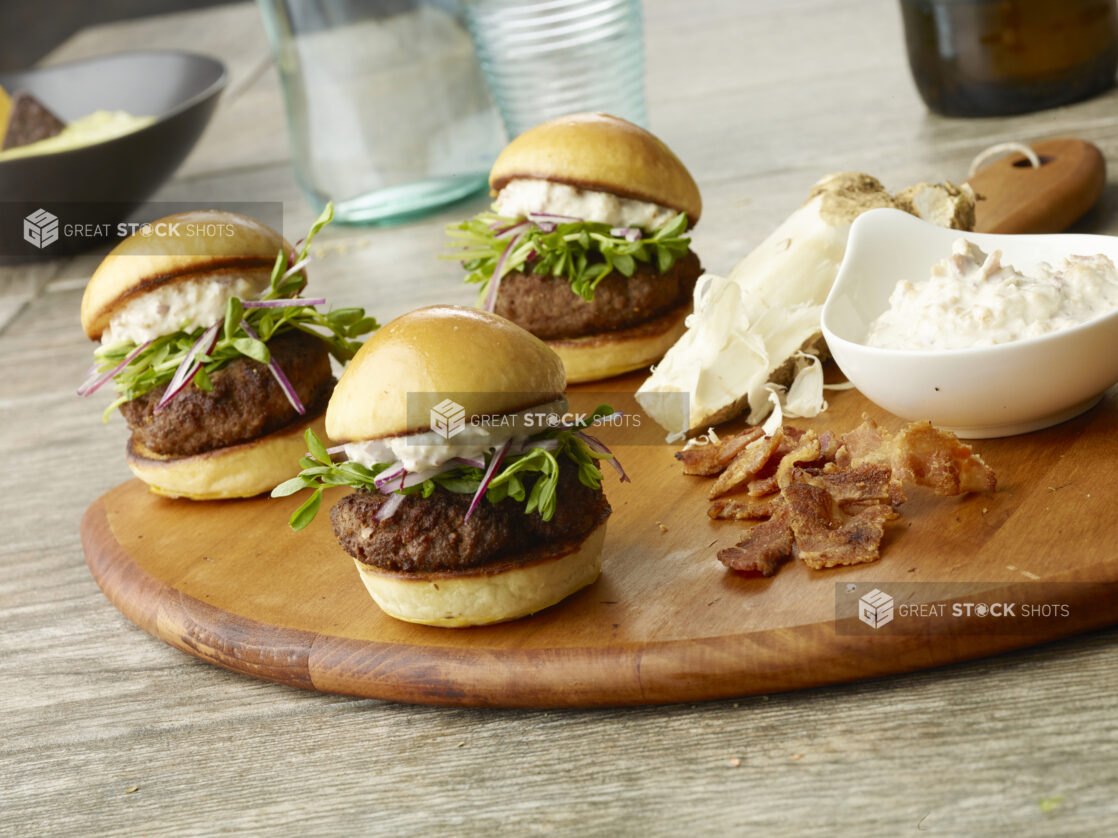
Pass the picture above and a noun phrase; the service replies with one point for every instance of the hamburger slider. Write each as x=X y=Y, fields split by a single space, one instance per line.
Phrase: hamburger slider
x=586 y=245
x=475 y=502
x=218 y=364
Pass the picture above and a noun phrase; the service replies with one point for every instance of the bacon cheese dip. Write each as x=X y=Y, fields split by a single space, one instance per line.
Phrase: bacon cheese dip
x=972 y=299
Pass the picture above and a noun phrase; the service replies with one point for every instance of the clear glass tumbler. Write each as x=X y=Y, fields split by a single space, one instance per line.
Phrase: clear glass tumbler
x=387 y=108
x=547 y=58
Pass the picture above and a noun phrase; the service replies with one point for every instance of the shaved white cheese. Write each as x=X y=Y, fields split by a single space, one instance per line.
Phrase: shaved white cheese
x=803 y=398
x=747 y=326
x=776 y=417
x=709 y=438
x=805 y=395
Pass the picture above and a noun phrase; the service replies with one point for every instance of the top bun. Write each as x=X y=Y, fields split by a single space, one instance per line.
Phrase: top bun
x=600 y=152
x=485 y=363
x=182 y=246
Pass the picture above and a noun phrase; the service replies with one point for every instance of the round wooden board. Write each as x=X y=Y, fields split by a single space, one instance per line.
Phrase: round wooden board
x=229 y=583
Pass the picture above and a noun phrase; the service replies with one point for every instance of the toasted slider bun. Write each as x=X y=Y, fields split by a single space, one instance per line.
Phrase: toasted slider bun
x=604 y=355
x=604 y=153
x=518 y=588
x=486 y=363
x=236 y=471
x=188 y=245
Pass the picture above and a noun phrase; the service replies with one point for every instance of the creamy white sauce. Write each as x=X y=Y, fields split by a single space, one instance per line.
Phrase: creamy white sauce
x=421 y=451
x=524 y=196
x=971 y=299
x=175 y=307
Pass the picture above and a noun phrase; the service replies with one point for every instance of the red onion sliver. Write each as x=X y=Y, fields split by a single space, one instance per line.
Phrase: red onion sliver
x=337 y=449
x=387 y=475
x=288 y=303
x=417 y=477
x=494 y=464
x=294 y=269
x=399 y=478
x=499 y=230
x=498 y=272
x=92 y=385
x=389 y=507
x=185 y=373
x=277 y=373
x=514 y=230
x=600 y=447
x=469 y=461
x=536 y=217
x=632 y=234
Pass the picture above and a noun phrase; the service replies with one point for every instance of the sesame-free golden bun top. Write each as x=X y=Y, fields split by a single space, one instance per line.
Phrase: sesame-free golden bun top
x=187 y=245
x=600 y=152
x=483 y=362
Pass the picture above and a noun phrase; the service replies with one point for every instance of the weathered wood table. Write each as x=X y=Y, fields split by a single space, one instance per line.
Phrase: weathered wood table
x=106 y=730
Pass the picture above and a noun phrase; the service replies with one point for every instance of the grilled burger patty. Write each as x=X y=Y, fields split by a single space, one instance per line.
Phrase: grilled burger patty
x=246 y=403
x=546 y=306
x=429 y=535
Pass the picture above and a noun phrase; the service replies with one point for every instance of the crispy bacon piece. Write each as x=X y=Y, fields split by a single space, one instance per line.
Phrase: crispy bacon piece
x=826 y=498
x=764 y=482
x=828 y=446
x=807 y=452
x=868 y=484
x=930 y=457
x=765 y=548
x=867 y=443
x=824 y=535
x=708 y=460
x=761 y=486
x=742 y=508
x=746 y=465
x=920 y=454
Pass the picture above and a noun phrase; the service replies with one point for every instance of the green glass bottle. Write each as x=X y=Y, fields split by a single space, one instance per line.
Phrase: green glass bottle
x=999 y=57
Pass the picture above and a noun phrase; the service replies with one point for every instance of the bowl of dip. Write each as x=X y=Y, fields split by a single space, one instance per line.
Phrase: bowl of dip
x=985 y=335
x=131 y=119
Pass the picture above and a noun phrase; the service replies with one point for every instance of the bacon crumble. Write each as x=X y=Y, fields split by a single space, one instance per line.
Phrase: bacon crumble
x=826 y=498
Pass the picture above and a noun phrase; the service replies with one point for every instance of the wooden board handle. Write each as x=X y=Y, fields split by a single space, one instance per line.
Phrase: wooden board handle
x=1015 y=197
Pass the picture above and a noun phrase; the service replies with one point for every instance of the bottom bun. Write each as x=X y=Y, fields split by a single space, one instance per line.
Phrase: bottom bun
x=237 y=471
x=607 y=354
x=456 y=600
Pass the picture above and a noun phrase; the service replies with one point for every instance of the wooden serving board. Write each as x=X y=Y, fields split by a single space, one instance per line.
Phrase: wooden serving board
x=229 y=583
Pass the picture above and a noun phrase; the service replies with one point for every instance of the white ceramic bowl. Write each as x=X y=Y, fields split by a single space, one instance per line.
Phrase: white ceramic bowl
x=1001 y=390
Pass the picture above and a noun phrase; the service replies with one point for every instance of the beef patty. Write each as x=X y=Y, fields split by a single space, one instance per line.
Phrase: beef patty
x=428 y=535
x=246 y=402
x=548 y=308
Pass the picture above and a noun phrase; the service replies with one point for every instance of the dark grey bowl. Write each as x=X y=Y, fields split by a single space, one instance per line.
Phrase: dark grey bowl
x=104 y=182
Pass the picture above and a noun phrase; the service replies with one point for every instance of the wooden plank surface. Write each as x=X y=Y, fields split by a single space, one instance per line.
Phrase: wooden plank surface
x=107 y=731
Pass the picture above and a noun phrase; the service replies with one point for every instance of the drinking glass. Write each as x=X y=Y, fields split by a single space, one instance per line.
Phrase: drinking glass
x=547 y=58
x=387 y=108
